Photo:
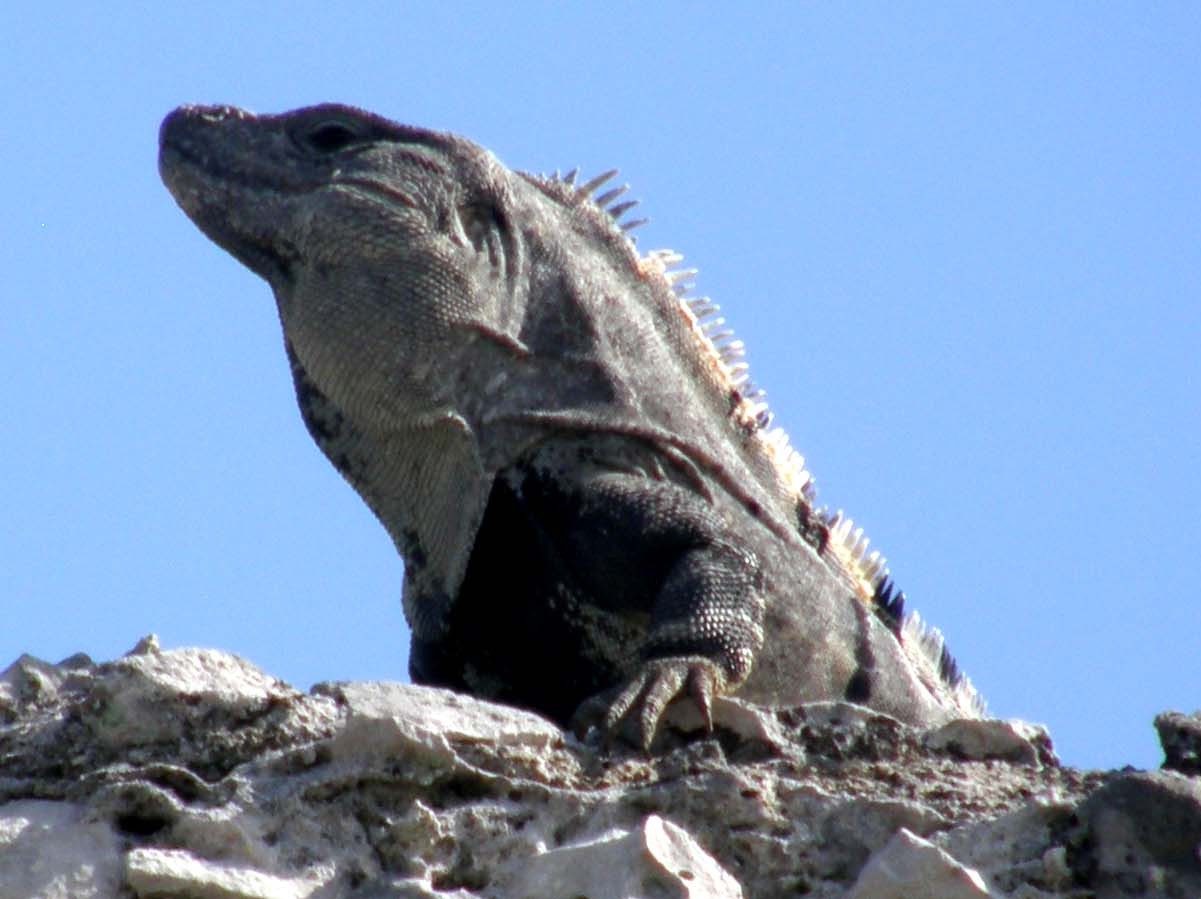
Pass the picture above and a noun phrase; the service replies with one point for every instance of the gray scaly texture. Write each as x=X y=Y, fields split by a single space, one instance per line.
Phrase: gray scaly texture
x=593 y=508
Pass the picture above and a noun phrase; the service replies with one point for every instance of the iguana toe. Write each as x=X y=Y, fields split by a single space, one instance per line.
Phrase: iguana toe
x=640 y=703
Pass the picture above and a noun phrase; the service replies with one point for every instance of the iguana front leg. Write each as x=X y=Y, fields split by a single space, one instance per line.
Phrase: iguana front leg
x=647 y=548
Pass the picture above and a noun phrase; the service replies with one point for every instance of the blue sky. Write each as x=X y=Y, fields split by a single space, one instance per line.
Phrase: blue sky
x=961 y=242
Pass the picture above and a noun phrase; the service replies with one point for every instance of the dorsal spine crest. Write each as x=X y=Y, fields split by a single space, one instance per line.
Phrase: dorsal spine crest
x=846 y=547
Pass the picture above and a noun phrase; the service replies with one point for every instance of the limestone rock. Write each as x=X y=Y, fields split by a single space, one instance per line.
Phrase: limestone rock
x=192 y=773
x=655 y=859
x=53 y=851
x=1145 y=832
x=910 y=866
x=1024 y=847
x=1180 y=737
x=177 y=872
x=990 y=738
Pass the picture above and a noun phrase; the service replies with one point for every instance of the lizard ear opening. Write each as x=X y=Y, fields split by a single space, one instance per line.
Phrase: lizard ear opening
x=484 y=227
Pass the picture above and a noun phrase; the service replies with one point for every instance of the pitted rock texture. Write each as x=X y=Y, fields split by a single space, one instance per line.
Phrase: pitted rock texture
x=1180 y=736
x=190 y=773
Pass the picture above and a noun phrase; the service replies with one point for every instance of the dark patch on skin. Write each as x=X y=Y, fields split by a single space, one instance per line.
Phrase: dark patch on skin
x=353 y=467
x=413 y=552
x=811 y=527
x=323 y=421
x=566 y=579
x=746 y=426
x=859 y=687
x=513 y=632
x=327 y=426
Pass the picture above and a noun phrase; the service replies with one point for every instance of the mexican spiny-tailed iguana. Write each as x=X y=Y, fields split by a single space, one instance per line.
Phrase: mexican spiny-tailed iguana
x=587 y=493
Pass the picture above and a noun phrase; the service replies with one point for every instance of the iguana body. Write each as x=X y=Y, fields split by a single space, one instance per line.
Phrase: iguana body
x=584 y=488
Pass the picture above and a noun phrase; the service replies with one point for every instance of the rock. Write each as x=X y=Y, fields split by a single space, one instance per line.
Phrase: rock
x=192 y=773
x=991 y=738
x=1145 y=834
x=29 y=684
x=1180 y=737
x=852 y=832
x=174 y=872
x=739 y=718
x=137 y=701
x=655 y=859
x=51 y=850
x=1021 y=848
x=390 y=718
x=910 y=866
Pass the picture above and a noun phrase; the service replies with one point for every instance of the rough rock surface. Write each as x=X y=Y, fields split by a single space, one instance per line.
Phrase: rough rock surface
x=1180 y=736
x=191 y=773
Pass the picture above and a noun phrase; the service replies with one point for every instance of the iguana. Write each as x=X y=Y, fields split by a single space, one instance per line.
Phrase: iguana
x=588 y=494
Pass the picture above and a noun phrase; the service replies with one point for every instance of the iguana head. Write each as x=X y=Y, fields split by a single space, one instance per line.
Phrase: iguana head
x=382 y=242
x=418 y=278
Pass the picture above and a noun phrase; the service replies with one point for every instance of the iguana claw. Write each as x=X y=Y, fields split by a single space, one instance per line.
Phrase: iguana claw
x=641 y=702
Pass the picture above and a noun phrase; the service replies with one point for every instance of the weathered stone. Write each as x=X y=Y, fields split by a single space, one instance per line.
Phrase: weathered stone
x=386 y=718
x=853 y=831
x=979 y=739
x=745 y=721
x=29 y=682
x=1012 y=850
x=192 y=773
x=910 y=866
x=52 y=850
x=657 y=858
x=1145 y=835
x=1180 y=737
x=169 y=873
x=137 y=702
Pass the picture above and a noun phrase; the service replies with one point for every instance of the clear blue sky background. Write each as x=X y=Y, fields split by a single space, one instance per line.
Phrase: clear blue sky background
x=961 y=242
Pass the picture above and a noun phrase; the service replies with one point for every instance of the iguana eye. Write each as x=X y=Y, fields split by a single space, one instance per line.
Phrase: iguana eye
x=329 y=137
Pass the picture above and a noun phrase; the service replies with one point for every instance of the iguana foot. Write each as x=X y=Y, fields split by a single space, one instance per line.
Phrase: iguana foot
x=636 y=708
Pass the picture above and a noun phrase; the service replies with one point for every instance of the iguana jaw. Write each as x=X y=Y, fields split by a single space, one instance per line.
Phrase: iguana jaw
x=235 y=209
x=270 y=189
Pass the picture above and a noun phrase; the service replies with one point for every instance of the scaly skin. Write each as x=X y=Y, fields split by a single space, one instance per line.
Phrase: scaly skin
x=588 y=500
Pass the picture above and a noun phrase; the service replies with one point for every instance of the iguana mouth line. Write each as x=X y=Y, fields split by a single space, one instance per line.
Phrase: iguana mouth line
x=383 y=192
x=205 y=202
x=179 y=154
